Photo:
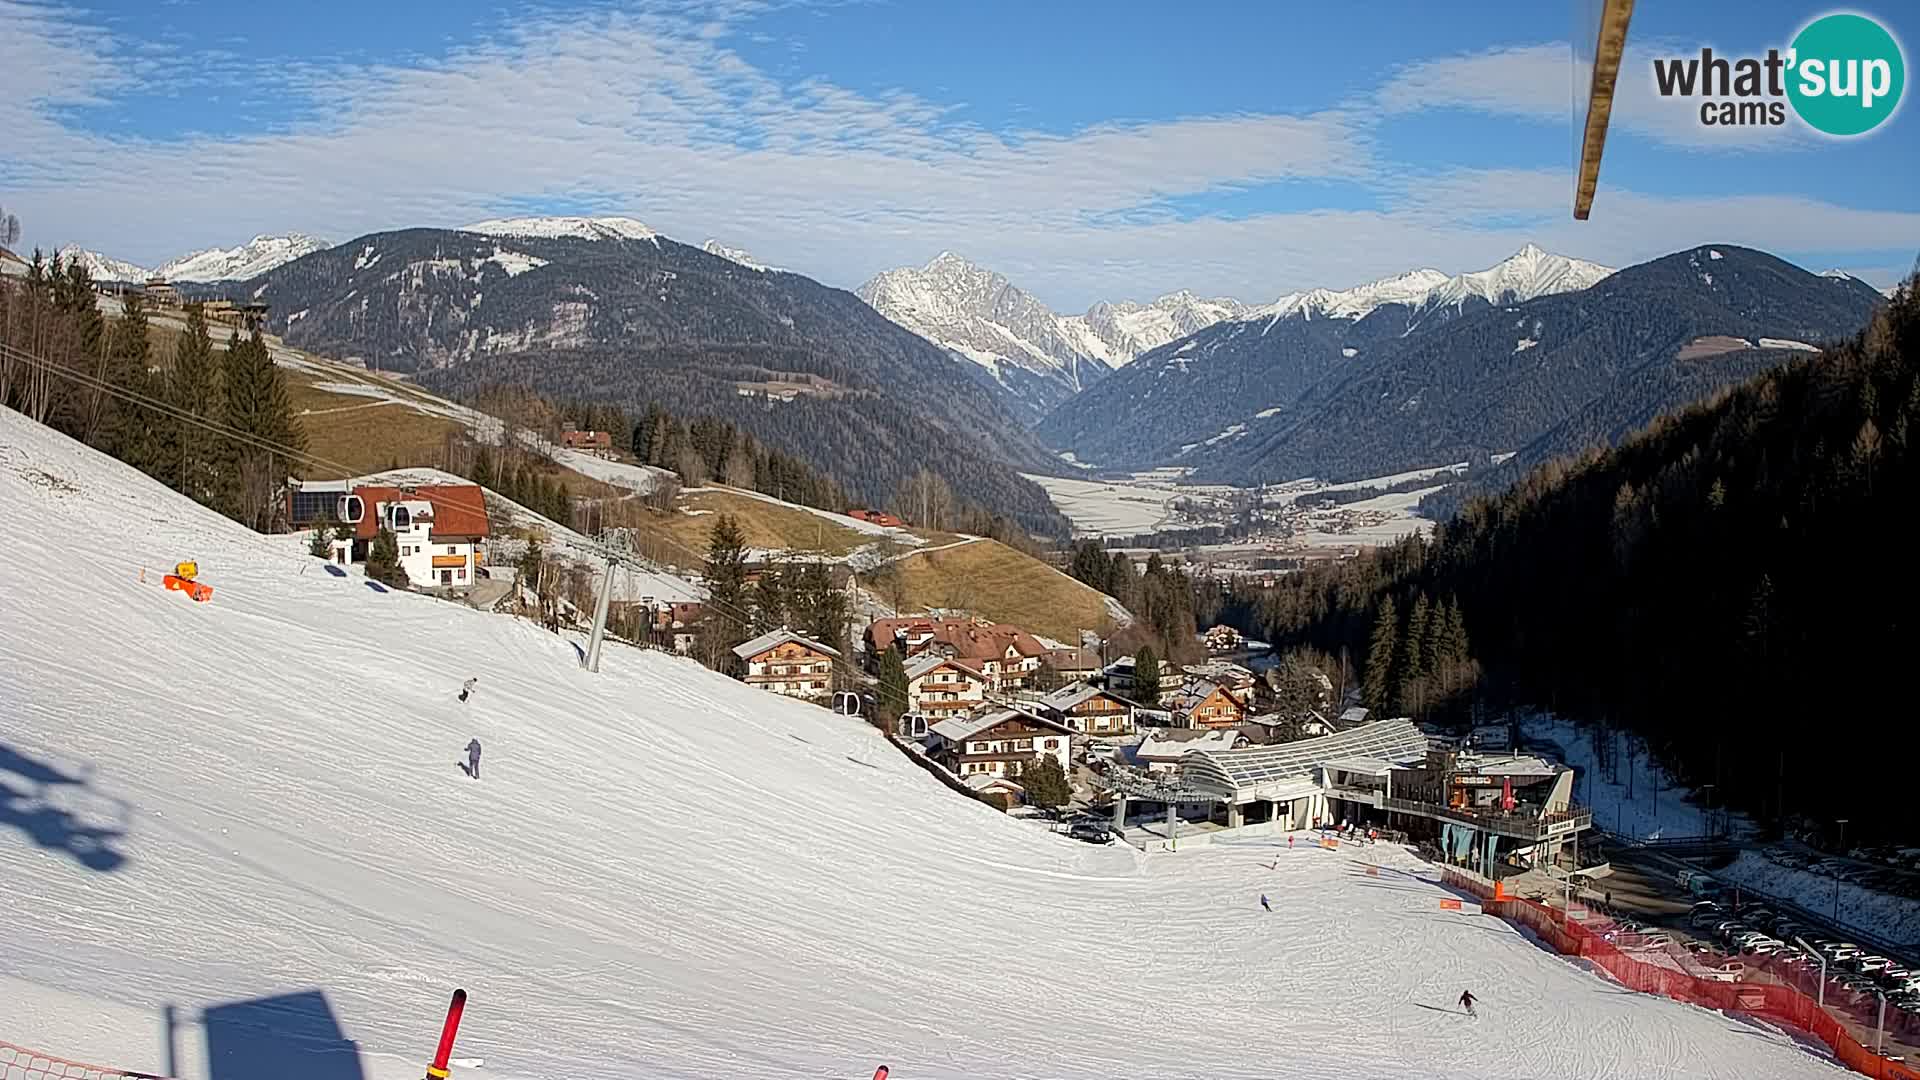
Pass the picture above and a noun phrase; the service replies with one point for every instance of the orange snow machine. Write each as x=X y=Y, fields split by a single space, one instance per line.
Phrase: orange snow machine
x=182 y=580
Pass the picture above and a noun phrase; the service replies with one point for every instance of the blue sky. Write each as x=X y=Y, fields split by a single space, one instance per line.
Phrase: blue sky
x=1087 y=150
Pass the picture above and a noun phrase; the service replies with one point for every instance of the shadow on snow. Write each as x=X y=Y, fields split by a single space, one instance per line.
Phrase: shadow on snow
x=31 y=798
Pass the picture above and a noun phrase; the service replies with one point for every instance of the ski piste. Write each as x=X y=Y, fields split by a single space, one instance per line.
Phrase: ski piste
x=242 y=801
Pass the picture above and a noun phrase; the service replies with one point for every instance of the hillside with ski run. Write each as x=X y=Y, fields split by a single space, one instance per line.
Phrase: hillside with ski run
x=662 y=872
x=609 y=310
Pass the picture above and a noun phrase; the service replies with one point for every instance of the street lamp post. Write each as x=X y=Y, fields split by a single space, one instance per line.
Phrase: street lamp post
x=1836 y=881
x=1708 y=789
x=1811 y=951
x=1880 y=1030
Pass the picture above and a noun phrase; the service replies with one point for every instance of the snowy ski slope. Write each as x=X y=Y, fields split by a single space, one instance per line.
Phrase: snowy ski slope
x=662 y=874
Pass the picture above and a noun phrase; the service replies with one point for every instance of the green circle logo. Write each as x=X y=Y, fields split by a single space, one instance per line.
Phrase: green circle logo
x=1847 y=74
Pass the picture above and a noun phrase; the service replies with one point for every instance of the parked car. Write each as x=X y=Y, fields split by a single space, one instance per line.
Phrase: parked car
x=1092 y=832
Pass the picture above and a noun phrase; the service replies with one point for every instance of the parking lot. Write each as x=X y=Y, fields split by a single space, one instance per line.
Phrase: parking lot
x=1647 y=911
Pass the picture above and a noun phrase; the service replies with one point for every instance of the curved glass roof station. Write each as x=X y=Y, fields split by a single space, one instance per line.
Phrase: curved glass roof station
x=1239 y=773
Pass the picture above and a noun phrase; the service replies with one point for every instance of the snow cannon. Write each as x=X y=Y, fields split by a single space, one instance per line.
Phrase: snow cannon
x=199 y=590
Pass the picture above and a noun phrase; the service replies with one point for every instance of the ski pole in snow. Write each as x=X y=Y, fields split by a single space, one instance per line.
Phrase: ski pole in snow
x=438 y=1070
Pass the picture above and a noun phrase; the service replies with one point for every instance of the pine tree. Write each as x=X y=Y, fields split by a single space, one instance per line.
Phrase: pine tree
x=769 y=599
x=1045 y=783
x=1410 y=667
x=256 y=405
x=1146 y=676
x=723 y=627
x=383 y=561
x=195 y=391
x=892 y=694
x=483 y=467
x=127 y=428
x=1377 y=687
x=320 y=544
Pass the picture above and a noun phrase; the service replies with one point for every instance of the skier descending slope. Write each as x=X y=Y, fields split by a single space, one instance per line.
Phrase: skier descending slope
x=467 y=688
x=1263 y=902
x=1466 y=1002
x=473 y=759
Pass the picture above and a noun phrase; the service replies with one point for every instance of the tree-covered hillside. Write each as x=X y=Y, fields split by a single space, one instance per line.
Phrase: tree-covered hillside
x=1732 y=583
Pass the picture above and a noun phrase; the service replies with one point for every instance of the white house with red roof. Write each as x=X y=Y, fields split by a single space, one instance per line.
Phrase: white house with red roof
x=441 y=530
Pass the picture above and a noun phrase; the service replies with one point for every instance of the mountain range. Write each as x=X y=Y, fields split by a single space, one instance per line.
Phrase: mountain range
x=1340 y=387
x=610 y=310
x=1218 y=384
x=255 y=257
x=1029 y=355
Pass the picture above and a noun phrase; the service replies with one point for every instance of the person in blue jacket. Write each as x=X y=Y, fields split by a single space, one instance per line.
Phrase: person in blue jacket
x=473 y=759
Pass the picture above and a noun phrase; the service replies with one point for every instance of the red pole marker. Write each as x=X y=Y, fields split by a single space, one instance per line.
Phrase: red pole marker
x=438 y=1070
x=880 y=1073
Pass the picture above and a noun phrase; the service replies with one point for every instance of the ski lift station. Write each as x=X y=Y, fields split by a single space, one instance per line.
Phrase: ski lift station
x=1383 y=775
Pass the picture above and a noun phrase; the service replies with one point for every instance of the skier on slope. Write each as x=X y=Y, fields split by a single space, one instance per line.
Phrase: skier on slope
x=467 y=688
x=1466 y=1002
x=473 y=758
x=1264 y=904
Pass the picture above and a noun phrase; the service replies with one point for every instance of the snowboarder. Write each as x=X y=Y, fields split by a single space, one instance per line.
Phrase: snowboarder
x=1264 y=904
x=1289 y=841
x=467 y=688
x=473 y=758
x=1466 y=1002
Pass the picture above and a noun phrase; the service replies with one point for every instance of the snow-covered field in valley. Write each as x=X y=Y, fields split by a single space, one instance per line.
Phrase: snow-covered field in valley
x=236 y=828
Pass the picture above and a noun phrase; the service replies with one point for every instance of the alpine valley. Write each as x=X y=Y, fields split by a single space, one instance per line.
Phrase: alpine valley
x=1541 y=354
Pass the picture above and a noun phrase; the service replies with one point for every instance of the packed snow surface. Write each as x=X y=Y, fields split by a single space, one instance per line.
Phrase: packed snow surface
x=250 y=806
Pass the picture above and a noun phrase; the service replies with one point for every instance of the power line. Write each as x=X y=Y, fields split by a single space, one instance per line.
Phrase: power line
x=597 y=546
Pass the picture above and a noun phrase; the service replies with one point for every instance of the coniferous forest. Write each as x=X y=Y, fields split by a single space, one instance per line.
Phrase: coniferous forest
x=1732 y=585
x=213 y=422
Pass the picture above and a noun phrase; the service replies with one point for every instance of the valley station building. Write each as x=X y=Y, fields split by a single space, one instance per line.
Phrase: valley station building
x=1477 y=810
x=440 y=529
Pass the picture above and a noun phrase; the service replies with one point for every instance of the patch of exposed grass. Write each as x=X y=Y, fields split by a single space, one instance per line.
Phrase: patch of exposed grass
x=992 y=580
x=764 y=524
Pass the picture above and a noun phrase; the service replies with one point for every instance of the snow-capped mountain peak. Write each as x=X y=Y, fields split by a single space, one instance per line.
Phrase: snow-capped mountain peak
x=1036 y=356
x=734 y=254
x=255 y=257
x=1409 y=288
x=102 y=267
x=1527 y=273
x=579 y=228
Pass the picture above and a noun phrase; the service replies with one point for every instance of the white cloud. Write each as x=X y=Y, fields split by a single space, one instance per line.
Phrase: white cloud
x=651 y=115
x=1548 y=83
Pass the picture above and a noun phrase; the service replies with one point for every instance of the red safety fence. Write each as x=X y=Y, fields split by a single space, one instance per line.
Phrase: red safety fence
x=1765 y=988
x=20 y=1063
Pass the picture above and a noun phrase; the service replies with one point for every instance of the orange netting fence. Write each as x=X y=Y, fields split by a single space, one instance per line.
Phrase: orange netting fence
x=1764 y=987
x=20 y=1063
